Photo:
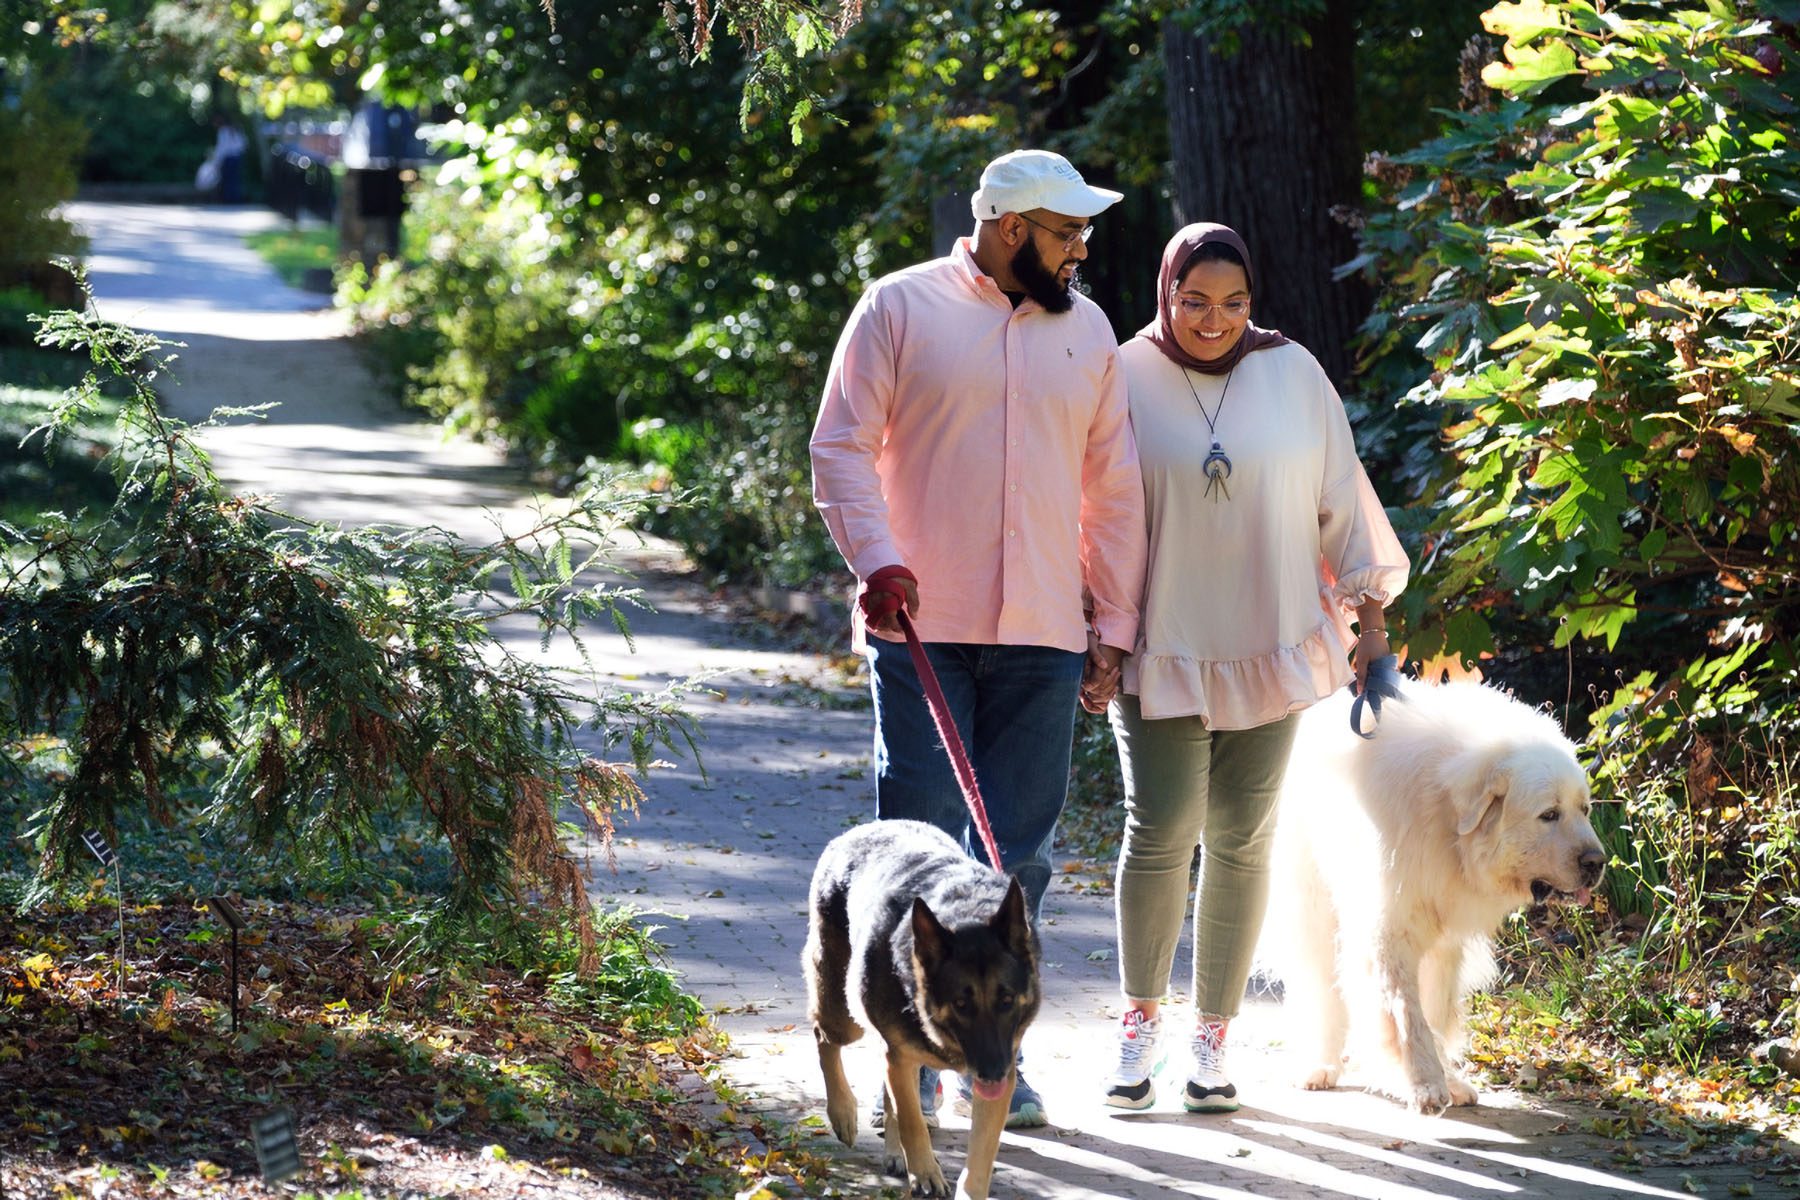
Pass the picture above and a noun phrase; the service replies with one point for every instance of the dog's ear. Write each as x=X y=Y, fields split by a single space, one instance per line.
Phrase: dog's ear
x=931 y=941
x=1479 y=792
x=1011 y=924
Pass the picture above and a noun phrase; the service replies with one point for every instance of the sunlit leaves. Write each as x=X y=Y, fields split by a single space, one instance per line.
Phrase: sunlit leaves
x=1639 y=317
x=1523 y=23
x=1528 y=70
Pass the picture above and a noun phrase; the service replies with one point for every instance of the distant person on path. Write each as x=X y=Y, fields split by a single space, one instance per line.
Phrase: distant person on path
x=973 y=460
x=1265 y=539
x=229 y=145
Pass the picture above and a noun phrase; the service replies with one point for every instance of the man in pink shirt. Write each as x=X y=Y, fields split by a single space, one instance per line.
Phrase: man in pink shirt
x=974 y=446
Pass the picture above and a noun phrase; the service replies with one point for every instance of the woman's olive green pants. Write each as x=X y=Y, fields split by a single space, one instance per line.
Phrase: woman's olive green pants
x=1187 y=786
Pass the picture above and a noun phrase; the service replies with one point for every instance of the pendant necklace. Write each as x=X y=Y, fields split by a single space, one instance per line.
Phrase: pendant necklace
x=1217 y=464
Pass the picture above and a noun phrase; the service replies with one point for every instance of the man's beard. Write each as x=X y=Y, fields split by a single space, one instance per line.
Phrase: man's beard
x=1039 y=281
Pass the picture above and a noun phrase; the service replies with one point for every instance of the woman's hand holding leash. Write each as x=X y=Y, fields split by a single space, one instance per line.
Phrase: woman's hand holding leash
x=1371 y=641
x=1377 y=668
x=1371 y=644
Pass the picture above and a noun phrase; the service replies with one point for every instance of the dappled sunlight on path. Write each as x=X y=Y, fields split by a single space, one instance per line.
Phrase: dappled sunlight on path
x=176 y=270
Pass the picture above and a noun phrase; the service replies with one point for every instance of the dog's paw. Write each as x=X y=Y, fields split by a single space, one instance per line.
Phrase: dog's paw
x=843 y=1120
x=1321 y=1078
x=1462 y=1092
x=893 y=1159
x=929 y=1179
x=1429 y=1099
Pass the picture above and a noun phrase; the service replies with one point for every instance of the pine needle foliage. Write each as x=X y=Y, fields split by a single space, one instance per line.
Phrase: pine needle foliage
x=304 y=679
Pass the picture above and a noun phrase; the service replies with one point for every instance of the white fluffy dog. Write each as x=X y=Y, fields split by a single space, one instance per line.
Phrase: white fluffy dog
x=1400 y=854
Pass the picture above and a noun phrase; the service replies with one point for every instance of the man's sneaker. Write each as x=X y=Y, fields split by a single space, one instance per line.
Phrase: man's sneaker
x=931 y=1093
x=1129 y=1085
x=1208 y=1091
x=1026 y=1110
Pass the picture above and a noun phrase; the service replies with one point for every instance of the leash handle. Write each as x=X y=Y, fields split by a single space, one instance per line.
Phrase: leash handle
x=953 y=743
x=1381 y=683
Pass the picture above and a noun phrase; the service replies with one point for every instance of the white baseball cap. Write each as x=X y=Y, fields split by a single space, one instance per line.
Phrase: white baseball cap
x=1030 y=179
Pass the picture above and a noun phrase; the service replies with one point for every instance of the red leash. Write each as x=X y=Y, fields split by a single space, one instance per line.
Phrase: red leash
x=883 y=594
x=953 y=744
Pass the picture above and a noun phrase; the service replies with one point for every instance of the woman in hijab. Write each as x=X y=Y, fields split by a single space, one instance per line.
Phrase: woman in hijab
x=1266 y=541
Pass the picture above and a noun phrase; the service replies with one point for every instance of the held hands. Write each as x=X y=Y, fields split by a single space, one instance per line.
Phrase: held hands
x=1100 y=677
x=883 y=593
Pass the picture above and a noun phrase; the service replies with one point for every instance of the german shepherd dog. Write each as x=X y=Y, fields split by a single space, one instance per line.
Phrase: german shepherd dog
x=934 y=951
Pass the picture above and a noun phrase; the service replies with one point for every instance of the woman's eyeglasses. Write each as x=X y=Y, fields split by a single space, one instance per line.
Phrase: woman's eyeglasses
x=1197 y=310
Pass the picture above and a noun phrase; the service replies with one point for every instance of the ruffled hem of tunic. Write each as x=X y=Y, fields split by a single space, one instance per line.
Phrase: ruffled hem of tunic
x=1244 y=693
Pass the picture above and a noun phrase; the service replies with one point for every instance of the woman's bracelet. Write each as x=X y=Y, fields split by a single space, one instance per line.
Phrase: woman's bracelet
x=1367 y=632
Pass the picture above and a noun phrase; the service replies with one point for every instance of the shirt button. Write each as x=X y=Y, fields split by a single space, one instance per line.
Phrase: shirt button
x=1015 y=395
x=1015 y=441
x=1012 y=533
x=1012 y=487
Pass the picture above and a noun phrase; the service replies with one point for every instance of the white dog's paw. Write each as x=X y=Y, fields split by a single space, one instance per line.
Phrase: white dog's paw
x=1462 y=1092
x=1431 y=1099
x=929 y=1179
x=1322 y=1078
x=842 y=1115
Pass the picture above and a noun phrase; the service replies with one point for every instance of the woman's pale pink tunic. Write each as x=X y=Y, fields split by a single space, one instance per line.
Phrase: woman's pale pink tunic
x=1248 y=600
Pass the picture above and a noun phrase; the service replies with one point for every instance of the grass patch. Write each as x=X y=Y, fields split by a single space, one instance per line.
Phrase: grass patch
x=294 y=252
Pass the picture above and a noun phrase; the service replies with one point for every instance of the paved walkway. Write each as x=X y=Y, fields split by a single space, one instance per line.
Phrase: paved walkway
x=721 y=863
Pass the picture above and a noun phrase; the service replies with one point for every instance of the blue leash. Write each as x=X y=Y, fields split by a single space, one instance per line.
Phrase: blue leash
x=1381 y=683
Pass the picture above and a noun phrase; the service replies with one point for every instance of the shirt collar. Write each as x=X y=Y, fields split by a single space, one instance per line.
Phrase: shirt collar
x=963 y=255
x=968 y=270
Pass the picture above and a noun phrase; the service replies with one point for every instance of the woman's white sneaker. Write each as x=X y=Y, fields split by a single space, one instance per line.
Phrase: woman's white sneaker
x=1129 y=1086
x=1208 y=1091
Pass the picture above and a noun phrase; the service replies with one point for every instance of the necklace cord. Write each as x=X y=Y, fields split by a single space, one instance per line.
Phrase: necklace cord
x=1212 y=417
x=1217 y=464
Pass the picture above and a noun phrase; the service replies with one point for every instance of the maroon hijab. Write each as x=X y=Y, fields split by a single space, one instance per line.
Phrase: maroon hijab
x=1161 y=332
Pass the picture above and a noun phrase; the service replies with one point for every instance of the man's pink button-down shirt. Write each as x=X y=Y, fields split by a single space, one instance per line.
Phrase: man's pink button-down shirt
x=988 y=450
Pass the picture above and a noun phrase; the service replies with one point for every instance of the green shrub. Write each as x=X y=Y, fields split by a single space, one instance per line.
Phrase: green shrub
x=527 y=319
x=1600 y=292
x=39 y=147
x=17 y=306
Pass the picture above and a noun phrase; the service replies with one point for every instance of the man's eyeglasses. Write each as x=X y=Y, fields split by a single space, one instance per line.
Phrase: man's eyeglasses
x=1196 y=310
x=1069 y=239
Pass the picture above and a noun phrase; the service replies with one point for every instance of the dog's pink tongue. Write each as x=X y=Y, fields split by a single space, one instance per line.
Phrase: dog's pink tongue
x=989 y=1091
x=1583 y=895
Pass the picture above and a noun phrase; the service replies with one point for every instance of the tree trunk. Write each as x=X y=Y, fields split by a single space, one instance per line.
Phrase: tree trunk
x=1264 y=140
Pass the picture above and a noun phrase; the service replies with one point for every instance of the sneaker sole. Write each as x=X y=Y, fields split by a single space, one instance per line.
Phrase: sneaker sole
x=1210 y=1102
x=879 y=1124
x=1138 y=1097
x=1029 y=1116
x=1026 y=1116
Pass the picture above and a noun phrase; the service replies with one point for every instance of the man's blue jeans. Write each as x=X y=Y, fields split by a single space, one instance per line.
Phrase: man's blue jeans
x=1015 y=709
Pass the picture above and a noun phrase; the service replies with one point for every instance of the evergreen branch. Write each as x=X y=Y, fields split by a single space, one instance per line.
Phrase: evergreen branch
x=337 y=673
